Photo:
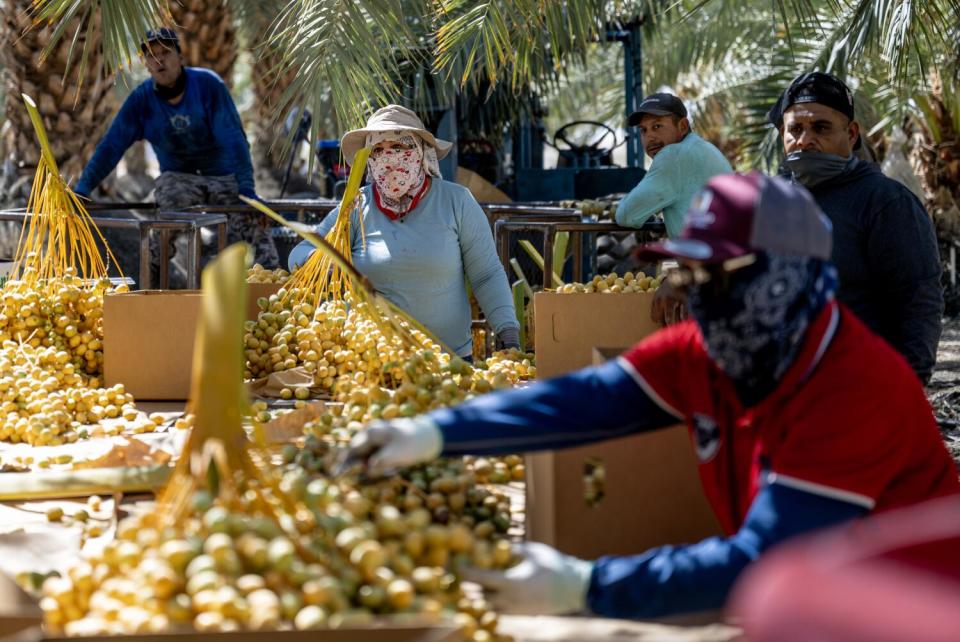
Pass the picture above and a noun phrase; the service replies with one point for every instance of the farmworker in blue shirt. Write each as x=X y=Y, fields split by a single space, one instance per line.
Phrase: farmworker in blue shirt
x=682 y=164
x=422 y=237
x=190 y=120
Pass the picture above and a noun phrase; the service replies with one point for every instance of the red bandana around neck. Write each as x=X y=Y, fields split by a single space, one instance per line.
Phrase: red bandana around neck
x=394 y=215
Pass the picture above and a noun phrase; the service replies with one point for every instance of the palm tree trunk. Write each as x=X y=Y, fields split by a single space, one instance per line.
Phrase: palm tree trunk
x=207 y=35
x=938 y=162
x=75 y=110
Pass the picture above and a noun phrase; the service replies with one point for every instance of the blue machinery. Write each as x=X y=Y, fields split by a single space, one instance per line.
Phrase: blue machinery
x=584 y=177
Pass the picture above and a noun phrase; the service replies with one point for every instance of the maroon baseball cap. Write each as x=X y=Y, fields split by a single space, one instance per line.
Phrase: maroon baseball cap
x=738 y=214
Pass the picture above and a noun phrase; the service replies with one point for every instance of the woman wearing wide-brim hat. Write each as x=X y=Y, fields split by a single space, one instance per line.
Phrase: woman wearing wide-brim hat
x=424 y=236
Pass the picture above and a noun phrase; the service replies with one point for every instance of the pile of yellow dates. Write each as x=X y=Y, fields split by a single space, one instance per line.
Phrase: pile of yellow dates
x=51 y=361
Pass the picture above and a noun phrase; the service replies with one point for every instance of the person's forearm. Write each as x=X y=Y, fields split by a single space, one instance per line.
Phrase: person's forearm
x=650 y=196
x=244 y=173
x=551 y=414
x=104 y=159
x=483 y=269
x=299 y=255
x=302 y=251
x=493 y=295
x=628 y=217
x=683 y=579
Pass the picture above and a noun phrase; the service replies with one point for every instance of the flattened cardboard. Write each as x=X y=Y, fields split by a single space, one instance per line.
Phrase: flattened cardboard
x=653 y=494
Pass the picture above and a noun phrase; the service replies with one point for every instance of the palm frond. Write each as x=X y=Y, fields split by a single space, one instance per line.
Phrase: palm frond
x=328 y=44
x=119 y=25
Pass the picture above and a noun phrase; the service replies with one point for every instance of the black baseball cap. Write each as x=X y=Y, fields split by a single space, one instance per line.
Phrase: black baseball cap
x=164 y=35
x=657 y=105
x=814 y=87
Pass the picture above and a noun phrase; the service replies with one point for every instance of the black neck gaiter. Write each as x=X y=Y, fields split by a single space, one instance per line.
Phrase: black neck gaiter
x=169 y=93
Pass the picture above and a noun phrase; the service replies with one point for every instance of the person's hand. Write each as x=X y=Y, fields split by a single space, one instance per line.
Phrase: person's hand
x=669 y=306
x=386 y=446
x=545 y=582
x=507 y=338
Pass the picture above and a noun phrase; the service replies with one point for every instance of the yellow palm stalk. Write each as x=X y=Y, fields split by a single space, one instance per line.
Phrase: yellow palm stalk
x=218 y=455
x=320 y=275
x=61 y=238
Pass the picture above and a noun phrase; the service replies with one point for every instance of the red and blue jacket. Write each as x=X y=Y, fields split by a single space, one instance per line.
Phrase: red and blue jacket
x=847 y=431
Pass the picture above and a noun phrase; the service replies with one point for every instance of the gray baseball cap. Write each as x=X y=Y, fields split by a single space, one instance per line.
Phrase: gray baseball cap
x=660 y=104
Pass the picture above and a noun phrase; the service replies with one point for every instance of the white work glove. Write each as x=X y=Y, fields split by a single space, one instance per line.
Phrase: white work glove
x=387 y=446
x=546 y=582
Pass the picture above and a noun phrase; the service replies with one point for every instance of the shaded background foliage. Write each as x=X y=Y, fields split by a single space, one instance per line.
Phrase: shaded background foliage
x=501 y=59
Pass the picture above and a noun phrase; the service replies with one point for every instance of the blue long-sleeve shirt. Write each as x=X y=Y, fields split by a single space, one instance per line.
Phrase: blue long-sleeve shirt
x=664 y=580
x=200 y=134
x=677 y=173
x=421 y=261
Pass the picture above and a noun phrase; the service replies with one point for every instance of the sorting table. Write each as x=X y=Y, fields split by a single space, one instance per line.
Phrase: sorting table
x=526 y=212
x=504 y=228
x=165 y=223
x=320 y=206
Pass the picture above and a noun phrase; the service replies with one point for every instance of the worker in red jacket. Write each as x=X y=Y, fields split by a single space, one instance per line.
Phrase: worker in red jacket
x=800 y=416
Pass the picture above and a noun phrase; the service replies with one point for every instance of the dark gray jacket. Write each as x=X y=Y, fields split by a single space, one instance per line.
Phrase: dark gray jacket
x=885 y=250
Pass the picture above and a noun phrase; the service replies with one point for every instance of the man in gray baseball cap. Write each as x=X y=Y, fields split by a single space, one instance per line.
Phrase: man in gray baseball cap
x=682 y=163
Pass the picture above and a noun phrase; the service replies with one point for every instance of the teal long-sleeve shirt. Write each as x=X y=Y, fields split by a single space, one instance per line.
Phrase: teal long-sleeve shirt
x=677 y=173
x=420 y=262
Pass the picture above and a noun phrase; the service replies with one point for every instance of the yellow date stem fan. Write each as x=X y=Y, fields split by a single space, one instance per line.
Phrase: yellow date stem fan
x=60 y=238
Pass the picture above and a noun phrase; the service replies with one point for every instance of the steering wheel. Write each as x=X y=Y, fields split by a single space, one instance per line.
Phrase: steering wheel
x=592 y=150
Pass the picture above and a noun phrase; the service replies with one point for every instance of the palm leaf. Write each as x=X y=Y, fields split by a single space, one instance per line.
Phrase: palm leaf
x=121 y=24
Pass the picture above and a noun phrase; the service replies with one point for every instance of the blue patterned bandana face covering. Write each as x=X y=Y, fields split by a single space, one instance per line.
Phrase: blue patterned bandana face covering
x=753 y=327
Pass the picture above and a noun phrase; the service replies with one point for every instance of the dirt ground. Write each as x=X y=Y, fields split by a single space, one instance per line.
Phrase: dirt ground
x=944 y=388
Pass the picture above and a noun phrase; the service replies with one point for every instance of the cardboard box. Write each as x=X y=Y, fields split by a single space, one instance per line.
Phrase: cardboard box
x=569 y=326
x=148 y=338
x=652 y=493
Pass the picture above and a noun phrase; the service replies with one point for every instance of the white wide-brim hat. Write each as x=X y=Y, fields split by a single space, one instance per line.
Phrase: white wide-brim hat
x=390 y=118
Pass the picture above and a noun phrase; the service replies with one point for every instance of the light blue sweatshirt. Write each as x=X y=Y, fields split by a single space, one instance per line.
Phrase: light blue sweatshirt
x=420 y=261
x=677 y=173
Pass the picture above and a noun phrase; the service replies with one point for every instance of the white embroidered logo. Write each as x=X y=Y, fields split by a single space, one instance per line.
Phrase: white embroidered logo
x=180 y=122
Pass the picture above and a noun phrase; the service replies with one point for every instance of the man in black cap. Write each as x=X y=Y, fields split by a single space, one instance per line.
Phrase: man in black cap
x=884 y=246
x=189 y=118
x=682 y=164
